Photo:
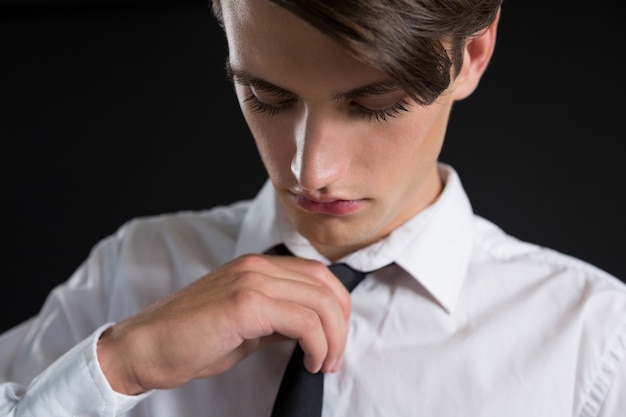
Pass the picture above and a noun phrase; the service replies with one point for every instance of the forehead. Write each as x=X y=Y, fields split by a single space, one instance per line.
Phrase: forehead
x=268 y=41
x=255 y=28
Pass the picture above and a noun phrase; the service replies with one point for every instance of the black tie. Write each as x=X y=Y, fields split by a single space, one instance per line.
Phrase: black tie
x=300 y=393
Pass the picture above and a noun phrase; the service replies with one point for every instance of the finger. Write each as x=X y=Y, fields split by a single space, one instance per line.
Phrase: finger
x=325 y=305
x=302 y=282
x=307 y=293
x=292 y=320
x=307 y=308
x=316 y=273
x=304 y=270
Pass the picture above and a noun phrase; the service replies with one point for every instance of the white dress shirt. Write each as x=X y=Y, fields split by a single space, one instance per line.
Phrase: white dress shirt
x=469 y=321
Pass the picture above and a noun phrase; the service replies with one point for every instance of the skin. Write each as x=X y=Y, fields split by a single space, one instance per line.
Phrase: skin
x=323 y=155
x=346 y=175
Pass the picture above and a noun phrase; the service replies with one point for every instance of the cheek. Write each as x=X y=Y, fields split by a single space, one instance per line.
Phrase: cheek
x=407 y=149
x=424 y=132
x=273 y=144
x=396 y=143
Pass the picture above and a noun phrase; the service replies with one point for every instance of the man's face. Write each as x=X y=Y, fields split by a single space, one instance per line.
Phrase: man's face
x=349 y=154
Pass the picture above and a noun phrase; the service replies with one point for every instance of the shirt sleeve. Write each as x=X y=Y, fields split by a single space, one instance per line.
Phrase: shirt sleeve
x=48 y=364
x=73 y=385
x=614 y=403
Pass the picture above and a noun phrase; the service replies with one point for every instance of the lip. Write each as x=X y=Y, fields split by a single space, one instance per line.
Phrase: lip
x=328 y=206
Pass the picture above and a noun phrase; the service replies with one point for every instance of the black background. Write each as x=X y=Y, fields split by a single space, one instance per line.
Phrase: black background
x=112 y=110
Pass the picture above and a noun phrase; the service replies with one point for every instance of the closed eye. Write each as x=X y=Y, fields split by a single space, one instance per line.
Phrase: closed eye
x=266 y=106
x=272 y=105
x=381 y=115
x=379 y=101
x=376 y=101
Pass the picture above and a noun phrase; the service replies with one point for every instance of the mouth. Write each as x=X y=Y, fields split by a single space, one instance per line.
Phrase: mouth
x=328 y=206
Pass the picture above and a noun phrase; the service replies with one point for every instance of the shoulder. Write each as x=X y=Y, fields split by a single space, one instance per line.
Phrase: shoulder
x=195 y=240
x=495 y=246
x=218 y=222
x=577 y=309
x=553 y=284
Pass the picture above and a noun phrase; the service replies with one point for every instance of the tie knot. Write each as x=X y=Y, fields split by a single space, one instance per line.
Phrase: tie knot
x=350 y=277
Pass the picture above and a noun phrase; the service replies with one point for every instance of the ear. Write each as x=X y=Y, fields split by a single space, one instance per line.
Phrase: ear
x=476 y=56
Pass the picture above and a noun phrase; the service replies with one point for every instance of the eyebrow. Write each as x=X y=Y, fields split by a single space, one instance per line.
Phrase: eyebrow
x=375 y=88
x=372 y=89
x=243 y=77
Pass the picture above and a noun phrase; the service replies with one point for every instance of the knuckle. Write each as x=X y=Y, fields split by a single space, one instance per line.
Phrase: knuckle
x=250 y=279
x=326 y=300
x=250 y=311
x=246 y=298
x=309 y=322
x=318 y=269
x=253 y=262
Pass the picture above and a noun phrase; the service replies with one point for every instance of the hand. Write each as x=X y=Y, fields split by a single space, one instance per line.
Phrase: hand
x=212 y=324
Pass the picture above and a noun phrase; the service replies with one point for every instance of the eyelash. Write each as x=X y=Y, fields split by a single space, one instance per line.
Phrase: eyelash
x=381 y=115
x=257 y=106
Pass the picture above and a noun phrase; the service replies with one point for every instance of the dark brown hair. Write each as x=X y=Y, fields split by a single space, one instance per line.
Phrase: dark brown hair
x=419 y=43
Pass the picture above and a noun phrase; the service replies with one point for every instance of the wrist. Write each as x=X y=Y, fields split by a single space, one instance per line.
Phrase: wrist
x=113 y=361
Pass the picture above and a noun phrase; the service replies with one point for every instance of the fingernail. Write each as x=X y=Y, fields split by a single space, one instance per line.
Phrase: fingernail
x=332 y=365
x=336 y=365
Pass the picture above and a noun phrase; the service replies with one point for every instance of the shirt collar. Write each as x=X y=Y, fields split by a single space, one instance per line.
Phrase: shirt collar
x=434 y=246
x=259 y=231
x=437 y=243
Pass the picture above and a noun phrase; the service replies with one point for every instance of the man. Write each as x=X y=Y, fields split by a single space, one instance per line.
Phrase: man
x=198 y=313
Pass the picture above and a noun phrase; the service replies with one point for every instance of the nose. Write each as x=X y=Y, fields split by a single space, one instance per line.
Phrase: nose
x=322 y=150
